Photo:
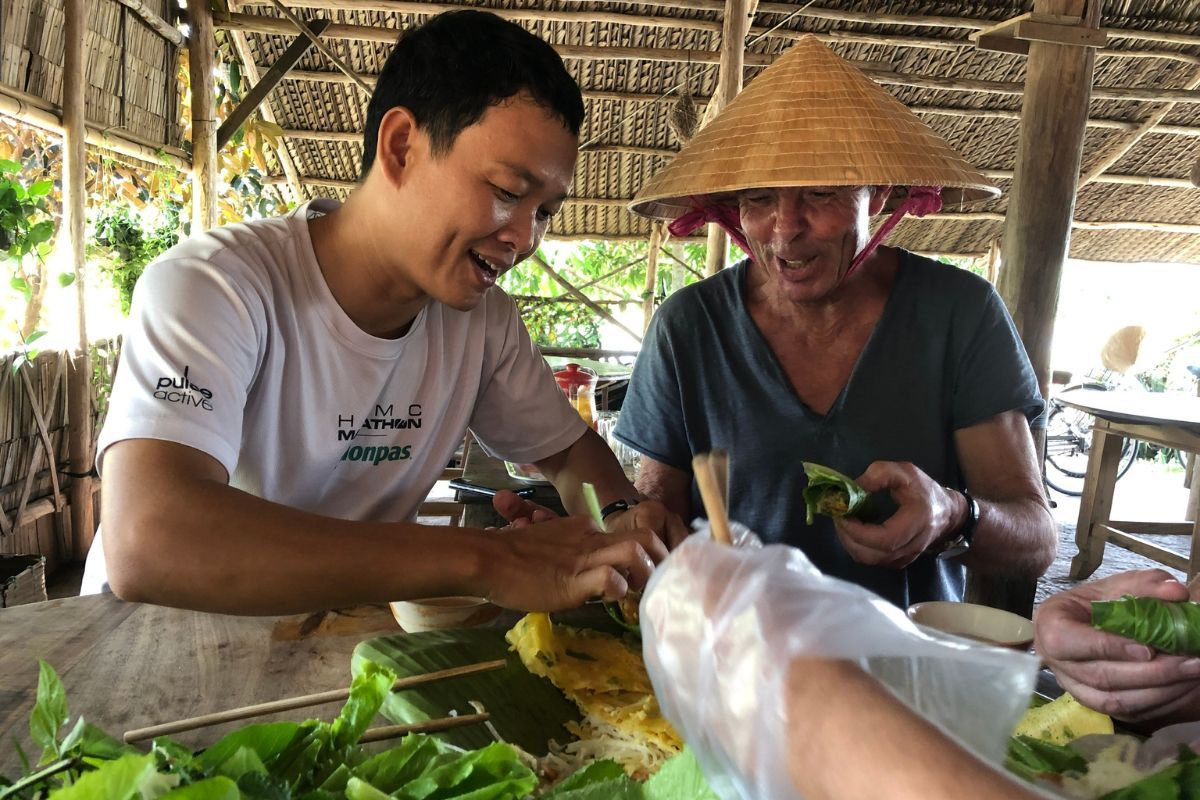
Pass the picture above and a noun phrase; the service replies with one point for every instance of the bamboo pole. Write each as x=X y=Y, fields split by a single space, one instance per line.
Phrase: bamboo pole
x=79 y=384
x=677 y=23
x=1127 y=142
x=35 y=111
x=201 y=45
x=324 y=48
x=733 y=59
x=994 y=261
x=883 y=74
x=656 y=236
x=603 y=277
x=250 y=69
x=650 y=97
x=154 y=21
x=563 y=282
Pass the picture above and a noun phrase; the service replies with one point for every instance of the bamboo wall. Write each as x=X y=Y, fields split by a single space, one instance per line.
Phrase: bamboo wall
x=34 y=488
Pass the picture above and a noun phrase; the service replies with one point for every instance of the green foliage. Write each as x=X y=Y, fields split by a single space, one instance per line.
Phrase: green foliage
x=129 y=245
x=611 y=273
x=26 y=227
x=273 y=760
x=557 y=324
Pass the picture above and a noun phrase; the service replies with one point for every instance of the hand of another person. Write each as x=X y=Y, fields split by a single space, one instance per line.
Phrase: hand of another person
x=924 y=513
x=650 y=515
x=566 y=561
x=1112 y=674
x=518 y=511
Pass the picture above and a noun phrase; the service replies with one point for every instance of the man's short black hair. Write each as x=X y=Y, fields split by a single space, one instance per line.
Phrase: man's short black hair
x=451 y=70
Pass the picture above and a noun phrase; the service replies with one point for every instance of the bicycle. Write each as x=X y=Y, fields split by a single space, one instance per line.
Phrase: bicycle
x=1069 y=443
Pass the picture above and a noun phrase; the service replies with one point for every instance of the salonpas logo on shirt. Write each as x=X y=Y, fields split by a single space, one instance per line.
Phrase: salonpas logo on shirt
x=380 y=424
x=181 y=390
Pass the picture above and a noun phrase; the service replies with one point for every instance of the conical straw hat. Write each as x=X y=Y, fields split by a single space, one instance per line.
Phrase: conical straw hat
x=811 y=119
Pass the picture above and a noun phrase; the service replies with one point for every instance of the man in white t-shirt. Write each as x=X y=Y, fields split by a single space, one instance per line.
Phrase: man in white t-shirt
x=291 y=388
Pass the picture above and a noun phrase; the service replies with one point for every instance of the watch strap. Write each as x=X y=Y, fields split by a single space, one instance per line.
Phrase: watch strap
x=615 y=506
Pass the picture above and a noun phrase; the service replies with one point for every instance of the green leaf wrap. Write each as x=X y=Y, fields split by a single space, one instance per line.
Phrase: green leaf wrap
x=1169 y=627
x=831 y=493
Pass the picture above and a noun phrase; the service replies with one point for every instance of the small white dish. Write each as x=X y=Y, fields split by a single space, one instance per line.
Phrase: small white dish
x=443 y=613
x=982 y=623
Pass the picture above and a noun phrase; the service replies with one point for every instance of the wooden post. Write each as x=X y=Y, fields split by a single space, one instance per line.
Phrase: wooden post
x=79 y=388
x=1037 y=234
x=734 y=27
x=656 y=231
x=1037 y=230
x=201 y=45
x=995 y=259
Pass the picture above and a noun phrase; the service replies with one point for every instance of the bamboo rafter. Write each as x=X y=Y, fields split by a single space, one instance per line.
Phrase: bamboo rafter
x=883 y=75
x=591 y=16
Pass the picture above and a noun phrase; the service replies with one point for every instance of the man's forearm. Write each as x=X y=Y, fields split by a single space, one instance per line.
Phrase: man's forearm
x=849 y=736
x=1015 y=538
x=207 y=546
x=589 y=460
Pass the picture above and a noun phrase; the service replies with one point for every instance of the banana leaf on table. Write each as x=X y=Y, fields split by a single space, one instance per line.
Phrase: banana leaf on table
x=526 y=710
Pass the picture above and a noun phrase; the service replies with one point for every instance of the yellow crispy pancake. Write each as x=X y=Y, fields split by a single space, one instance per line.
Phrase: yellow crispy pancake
x=603 y=675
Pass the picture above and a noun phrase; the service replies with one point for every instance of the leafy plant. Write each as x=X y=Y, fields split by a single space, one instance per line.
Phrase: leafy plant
x=612 y=273
x=272 y=760
x=131 y=246
x=26 y=228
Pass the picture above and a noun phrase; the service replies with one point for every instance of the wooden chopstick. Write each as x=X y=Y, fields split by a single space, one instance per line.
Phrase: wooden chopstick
x=712 y=470
x=428 y=726
x=303 y=701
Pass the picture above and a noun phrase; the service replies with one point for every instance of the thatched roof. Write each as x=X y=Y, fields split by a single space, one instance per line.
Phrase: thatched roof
x=631 y=58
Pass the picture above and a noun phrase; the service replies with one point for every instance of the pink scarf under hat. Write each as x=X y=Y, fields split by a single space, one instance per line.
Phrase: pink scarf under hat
x=921 y=200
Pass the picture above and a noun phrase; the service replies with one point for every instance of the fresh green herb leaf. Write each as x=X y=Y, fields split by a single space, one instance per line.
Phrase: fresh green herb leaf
x=218 y=788
x=49 y=712
x=122 y=779
x=367 y=693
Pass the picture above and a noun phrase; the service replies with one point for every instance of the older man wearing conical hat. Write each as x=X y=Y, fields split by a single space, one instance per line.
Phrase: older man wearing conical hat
x=826 y=347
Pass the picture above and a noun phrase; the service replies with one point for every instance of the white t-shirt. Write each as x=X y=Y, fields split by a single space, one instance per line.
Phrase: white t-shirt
x=236 y=347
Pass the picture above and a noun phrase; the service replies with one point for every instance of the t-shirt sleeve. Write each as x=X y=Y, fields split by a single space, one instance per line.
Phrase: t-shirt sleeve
x=995 y=374
x=189 y=356
x=652 y=419
x=520 y=415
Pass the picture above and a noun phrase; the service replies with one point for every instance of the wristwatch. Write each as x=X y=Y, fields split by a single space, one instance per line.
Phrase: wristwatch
x=615 y=506
x=960 y=542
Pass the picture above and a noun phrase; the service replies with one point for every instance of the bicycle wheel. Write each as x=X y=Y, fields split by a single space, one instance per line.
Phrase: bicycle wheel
x=1068 y=447
x=1066 y=450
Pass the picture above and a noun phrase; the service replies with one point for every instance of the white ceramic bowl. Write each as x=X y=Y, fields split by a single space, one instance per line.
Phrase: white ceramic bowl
x=442 y=613
x=981 y=623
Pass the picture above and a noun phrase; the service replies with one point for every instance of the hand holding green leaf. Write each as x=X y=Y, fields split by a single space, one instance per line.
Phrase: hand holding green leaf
x=1169 y=627
x=832 y=494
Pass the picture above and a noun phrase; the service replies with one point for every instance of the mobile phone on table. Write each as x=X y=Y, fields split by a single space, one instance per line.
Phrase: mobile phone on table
x=486 y=491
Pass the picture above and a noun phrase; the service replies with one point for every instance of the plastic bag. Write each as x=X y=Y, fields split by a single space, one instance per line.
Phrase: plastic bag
x=720 y=625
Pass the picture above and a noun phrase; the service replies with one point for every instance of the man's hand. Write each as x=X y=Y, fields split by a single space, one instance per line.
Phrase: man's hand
x=518 y=511
x=925 y=513
x=653 y=516
x=563 y=563
x=1110 y=673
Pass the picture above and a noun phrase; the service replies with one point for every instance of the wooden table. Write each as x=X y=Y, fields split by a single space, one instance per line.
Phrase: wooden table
x=480 y=468
x=1167 y=419
x=129 y=665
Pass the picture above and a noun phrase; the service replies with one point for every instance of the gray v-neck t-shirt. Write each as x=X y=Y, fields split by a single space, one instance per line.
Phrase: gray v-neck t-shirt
x=944 y=355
